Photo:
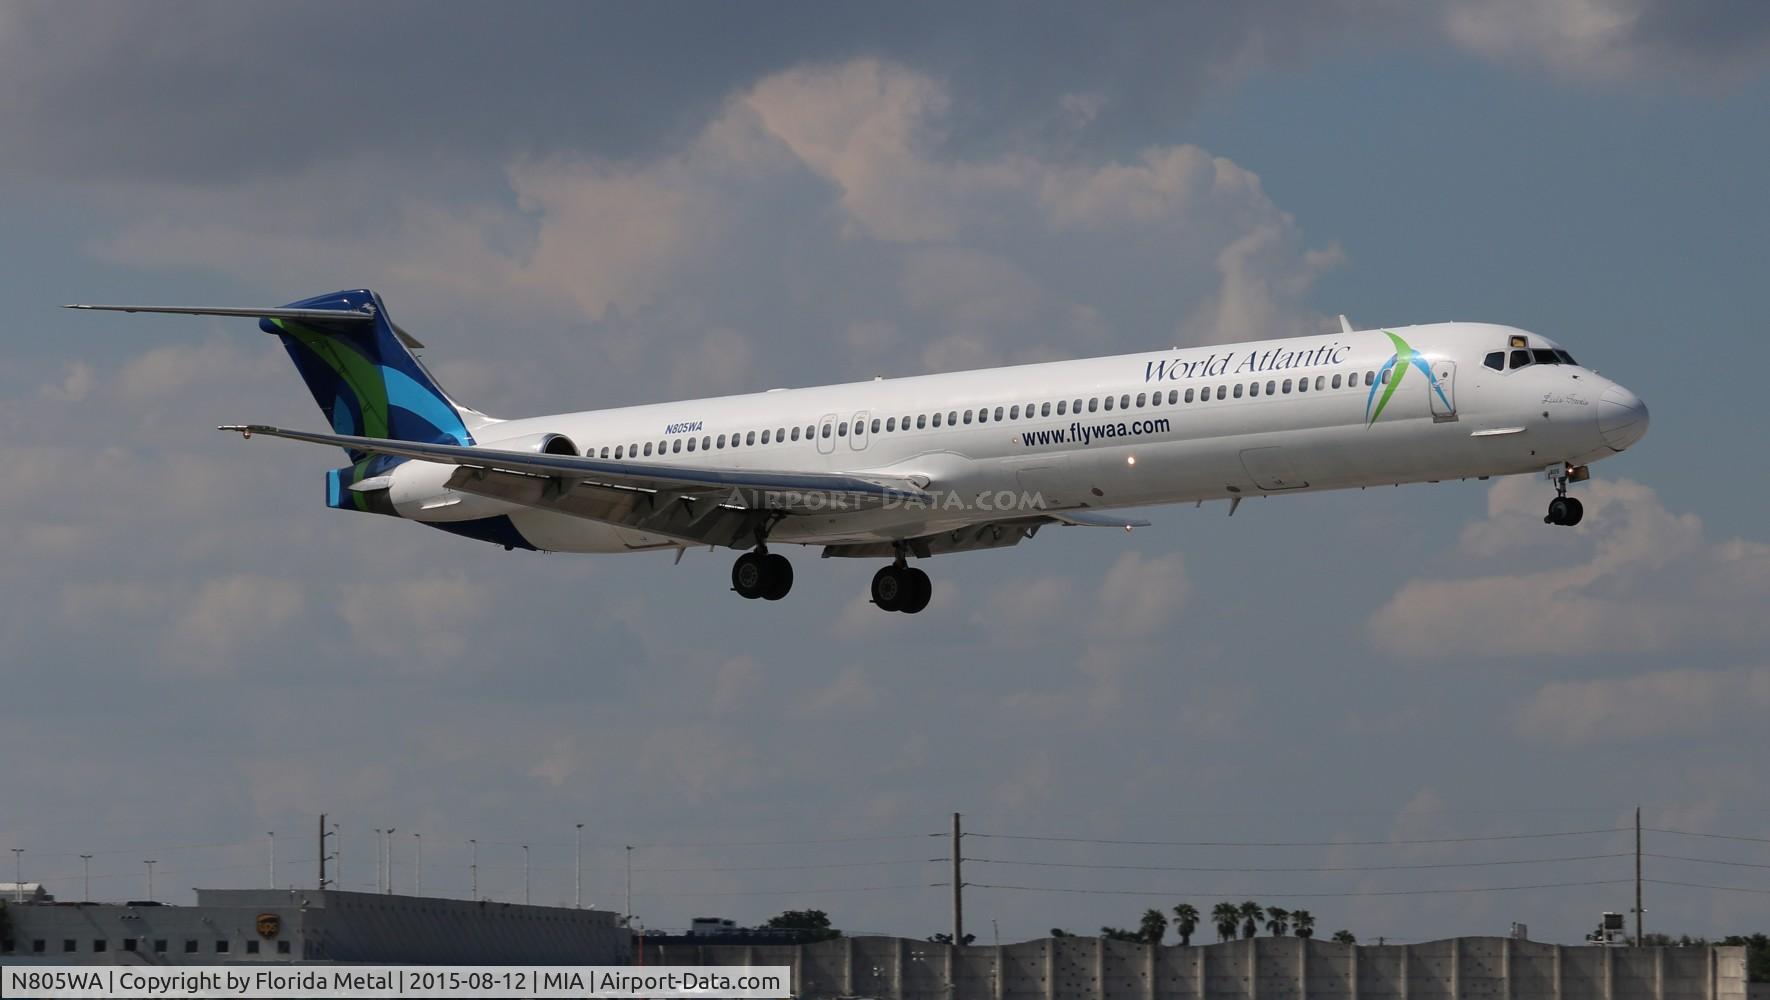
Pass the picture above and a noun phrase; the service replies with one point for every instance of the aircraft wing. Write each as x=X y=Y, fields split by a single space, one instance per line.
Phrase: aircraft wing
x=987 y=535
x=543 y=480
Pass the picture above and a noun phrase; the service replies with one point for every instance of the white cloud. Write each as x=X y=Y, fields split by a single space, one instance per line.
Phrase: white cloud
x=416 y=624
x=1140 y=595
x=1684 y=702
x=1633 y=576
x=1615 y=38
x=847 y=693
x=227 y=615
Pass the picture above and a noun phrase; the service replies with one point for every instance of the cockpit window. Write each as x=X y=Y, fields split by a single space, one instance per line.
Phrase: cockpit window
x=1520 y=359
x=1566 y=358
x=1544 y=356
x=1496 y=361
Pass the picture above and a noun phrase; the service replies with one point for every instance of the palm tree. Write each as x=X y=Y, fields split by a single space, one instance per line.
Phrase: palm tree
x=1345 y=937
x=1278 y=920
x=1303 y=923
x=1226 y=916
x=1251 y=914
x=1154 y=926
x=1185 y=922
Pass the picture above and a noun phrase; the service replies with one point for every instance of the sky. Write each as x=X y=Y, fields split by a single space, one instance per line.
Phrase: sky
x=579 y=206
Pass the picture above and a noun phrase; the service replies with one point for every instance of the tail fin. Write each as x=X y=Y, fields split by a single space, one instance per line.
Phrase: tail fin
x=363 y=374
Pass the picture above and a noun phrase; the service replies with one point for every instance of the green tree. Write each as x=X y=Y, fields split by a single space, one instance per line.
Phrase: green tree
x=1345 y=937
x=1120 y=934
x=816 y=924
x=1154 y=926
x=1303 y=923
x=1226 y=916
x=1251 y=915
x=948 y=938
x=1185 y=922
x=1060 y=932
x=1278 y=920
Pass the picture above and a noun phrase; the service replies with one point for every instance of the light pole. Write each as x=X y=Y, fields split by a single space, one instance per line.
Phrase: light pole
x=377 y=858
x=18 y=874
x=418 y=865
x=473 y=866
x=628 y=921
x=578 y=871
x=150 y=867
x=525 y=874
x=337 y=856
x=390 y=832
x=273 y=858
x=86 y=877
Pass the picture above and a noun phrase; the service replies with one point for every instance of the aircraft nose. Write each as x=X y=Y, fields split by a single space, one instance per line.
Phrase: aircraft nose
x=1622 y=417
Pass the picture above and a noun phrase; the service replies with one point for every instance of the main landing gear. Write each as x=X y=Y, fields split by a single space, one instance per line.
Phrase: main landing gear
x=762 y=574
x=901 y=587
x=1563 y=510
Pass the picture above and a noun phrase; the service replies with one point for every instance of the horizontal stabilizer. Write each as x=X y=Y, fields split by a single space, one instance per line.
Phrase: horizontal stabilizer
x=364 y=315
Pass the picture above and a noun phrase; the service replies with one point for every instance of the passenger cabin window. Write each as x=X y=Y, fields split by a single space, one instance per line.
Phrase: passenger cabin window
x=1189 y=395
x=967 y=416
x=691 y=444
x=1140 y=399
x=1108 y=404
x=875 y=425
x=1336 y=382
x=1496 y=361
x=1271 y=387
x=648 y=449
x=749 y=438
x=1222 y=392
x=676 y=446
x=998 y=415
x=1253 y=388
x=1237 y=392
x=1062 y=404
x=1014 y=412
x=952 y=417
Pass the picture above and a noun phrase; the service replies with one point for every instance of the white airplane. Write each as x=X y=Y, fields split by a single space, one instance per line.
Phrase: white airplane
x=915 y=467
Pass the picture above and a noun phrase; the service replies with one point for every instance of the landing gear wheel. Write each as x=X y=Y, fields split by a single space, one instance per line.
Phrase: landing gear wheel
x=779 y=576
x=749 y=576
x=1575 y=511
x=917 y=591
x=1564 y=511
x=891 y=586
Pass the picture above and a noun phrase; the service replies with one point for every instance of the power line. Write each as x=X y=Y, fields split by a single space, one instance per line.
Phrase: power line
x=1324 y=868
x=1706 y=861
x=1710 y=836
x=1717 y=888
x=796 y=868
x=1303 y=843
x=1172 y=893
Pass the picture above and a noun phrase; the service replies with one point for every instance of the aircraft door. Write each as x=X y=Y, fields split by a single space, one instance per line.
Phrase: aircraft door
x=857 y=435
x=1444 y=398
x=826 y=434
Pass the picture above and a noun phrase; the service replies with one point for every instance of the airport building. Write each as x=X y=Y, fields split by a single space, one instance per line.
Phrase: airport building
x=305 y=925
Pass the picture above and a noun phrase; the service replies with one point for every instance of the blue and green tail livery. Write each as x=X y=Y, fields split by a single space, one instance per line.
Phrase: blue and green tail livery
x=367 y=383
x=1405 y=357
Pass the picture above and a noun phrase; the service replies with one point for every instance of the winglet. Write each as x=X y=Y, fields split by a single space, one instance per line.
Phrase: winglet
x=1345 y=324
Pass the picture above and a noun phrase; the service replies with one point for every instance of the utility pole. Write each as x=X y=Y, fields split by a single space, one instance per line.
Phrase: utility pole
x=525 y=874
x=1638 y=937
x=578 y=871
x=627 y=921
x=958 y=889
x=322 y=882
x=86 y=877
x=377 y=859
x=150 y=867
x=273 y=858
x=418 y=866
x=390 y=832
x=473 y=867
x=18 y=874
x=338 y=856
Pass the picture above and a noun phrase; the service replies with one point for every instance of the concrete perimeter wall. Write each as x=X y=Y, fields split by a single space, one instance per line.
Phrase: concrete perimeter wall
x=1079 y=968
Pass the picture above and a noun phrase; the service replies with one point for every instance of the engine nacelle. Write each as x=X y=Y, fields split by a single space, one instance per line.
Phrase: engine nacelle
x=541 y=444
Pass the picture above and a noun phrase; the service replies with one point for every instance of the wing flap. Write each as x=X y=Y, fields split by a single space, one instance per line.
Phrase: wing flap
x=677 y=515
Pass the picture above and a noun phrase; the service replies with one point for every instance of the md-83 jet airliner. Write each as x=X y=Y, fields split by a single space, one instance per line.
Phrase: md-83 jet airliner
x=902 y=468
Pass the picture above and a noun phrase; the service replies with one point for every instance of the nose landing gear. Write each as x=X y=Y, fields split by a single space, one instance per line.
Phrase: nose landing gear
x=1563 y=510
x=901 y=587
